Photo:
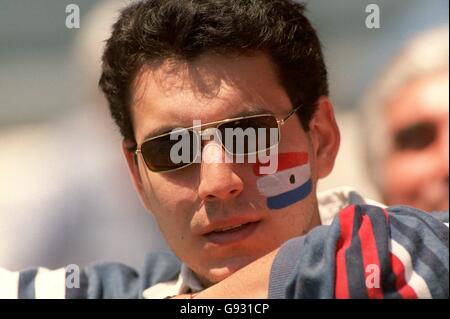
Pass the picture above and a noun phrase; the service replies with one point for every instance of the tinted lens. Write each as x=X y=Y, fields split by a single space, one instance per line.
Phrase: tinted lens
x=170 y=151
x=250 y=135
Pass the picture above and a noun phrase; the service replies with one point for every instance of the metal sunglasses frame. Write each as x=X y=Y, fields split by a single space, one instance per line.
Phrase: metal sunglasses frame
x=217 y=124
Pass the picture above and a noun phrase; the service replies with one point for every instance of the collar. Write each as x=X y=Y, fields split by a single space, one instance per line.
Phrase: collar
x=186 y=281
x=330 y=203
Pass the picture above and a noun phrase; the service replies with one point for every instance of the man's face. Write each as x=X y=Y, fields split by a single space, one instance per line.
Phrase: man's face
x=195 y=204
x=416 y=169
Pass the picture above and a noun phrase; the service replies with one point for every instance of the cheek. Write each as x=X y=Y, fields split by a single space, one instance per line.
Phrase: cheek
x=290 y=183
x=172 y=205
x=405 y=172
x=169 y=192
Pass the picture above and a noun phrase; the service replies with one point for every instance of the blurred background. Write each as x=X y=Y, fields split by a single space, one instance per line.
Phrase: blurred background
x=65 y=194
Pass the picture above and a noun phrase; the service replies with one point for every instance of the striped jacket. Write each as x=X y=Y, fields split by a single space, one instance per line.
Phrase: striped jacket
x=365 y=252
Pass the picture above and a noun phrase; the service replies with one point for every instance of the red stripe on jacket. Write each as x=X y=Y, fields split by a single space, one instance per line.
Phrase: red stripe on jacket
x=370 y=257
x=346 y=217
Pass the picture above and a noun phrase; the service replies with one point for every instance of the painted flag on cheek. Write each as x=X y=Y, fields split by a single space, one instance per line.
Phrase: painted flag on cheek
x=289 y=184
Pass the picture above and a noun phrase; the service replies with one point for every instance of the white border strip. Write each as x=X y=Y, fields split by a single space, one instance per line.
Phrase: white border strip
x=9 y=284
x=413 y=279
x=50 y=284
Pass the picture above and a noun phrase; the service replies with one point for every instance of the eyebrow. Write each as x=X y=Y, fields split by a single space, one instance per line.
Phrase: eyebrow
x=168 y=128
x=160 y=131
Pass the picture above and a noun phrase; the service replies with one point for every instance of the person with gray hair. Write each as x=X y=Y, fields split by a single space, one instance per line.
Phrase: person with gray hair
x=407 y=124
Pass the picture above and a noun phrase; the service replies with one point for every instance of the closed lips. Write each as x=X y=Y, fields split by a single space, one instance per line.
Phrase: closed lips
x=230 y=228
x=229 y=225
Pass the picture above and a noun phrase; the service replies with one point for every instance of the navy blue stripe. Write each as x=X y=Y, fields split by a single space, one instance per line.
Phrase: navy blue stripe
x=355 y=199
x=441 y=216
x=26 y=284
x=382 y=236
x=417 y=265
x=434 y=225
x=80 y=292
x=381 y=232
x=420 y=253
x=353 y=261
x=427 y=236
x=285 y=199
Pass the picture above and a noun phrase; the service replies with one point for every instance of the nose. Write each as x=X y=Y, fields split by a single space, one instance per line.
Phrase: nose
x=218 y=182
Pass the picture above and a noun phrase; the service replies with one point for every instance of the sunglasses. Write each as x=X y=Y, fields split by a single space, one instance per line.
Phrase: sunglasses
x=158 y=151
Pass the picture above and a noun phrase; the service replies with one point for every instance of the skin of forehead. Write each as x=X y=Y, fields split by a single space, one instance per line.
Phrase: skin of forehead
x=226 y=85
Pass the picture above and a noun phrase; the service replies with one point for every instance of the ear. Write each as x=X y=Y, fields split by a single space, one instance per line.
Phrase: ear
x=325 y=137
x=128 y=149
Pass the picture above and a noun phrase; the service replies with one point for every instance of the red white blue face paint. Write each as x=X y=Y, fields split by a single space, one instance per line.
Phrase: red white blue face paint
x=289 y=184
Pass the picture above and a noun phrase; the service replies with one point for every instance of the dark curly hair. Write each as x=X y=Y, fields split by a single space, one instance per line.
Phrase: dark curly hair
x=152 y=30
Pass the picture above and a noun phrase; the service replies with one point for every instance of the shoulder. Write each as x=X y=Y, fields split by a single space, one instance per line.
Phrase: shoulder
x=101 y=280
x=367 y=251
x=115 y=280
